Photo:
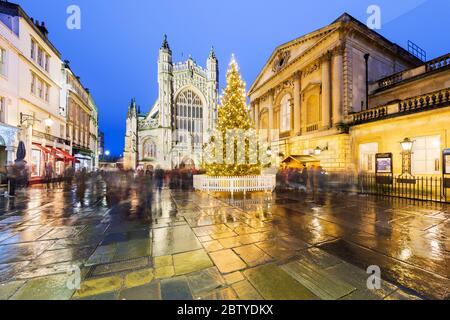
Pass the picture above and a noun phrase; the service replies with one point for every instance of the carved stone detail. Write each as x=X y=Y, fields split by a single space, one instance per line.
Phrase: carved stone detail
x=281 y=60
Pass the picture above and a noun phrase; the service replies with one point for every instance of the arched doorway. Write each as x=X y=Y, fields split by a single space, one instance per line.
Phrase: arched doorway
x=187 y=163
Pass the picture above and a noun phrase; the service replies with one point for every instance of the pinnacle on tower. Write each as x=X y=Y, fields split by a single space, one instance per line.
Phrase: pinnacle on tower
x=212 y=53
x=165 y=44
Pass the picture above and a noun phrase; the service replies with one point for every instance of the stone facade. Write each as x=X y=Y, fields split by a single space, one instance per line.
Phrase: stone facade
x=412 y=104
x=322 y=77
x=173 y=132
x=34 y=95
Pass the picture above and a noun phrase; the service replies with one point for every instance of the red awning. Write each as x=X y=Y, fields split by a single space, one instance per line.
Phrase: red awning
x=54 y=153
x=66 y=155
x=44 y=149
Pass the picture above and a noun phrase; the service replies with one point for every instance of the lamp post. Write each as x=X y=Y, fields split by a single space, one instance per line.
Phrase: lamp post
x=318 y=150
x=406 y=145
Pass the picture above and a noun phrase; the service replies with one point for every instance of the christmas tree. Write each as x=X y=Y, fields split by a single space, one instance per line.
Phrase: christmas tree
x=233 y=114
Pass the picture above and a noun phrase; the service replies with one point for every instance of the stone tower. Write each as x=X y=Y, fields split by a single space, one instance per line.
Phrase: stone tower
x=173 y=131
x=212 y=67
x=165 y=94
x=130 y=155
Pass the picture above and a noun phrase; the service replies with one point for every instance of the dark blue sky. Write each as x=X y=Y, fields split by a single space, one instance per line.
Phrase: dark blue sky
x=116 y=50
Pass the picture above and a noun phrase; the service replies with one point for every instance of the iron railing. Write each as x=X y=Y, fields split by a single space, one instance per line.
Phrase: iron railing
x=426 y=188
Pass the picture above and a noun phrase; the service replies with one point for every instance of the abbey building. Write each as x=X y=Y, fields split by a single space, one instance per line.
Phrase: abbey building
x=172 y=133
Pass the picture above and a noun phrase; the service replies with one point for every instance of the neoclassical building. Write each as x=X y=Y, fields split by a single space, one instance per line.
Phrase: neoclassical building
x=173 y=132
x=344 y=96
x=310 y=87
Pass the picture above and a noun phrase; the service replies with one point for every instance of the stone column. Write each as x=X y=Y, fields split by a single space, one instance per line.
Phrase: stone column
x=337 y=86
x=297 y=103
x=326 y=91
x=271 y=124
x=256 y=114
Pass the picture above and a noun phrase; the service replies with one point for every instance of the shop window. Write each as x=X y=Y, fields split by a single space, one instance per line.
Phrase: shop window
x=426 y=155
x=35 y=163
x=367 y=152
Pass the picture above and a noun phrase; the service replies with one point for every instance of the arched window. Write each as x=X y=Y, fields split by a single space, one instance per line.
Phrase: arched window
x=285 y=113
x=149 y=149
x=191 y=115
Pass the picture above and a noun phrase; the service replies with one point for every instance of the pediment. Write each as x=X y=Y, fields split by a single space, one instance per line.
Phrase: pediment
x=285 y=54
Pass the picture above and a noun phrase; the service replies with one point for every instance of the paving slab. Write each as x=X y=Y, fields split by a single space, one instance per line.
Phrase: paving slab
x=151 y=291
x=97 y=286
x=252 y=255
x=246 y=291
x=175 y=289
x=205 y=280
x=323 y=284
x=275 y=284
x=138 y=278
x=44 y=288
x=191 y=261
x=220 y=294
x=9 y=288
x=227 y=261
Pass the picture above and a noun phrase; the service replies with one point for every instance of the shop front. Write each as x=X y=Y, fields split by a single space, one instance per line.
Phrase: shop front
x=47 y=161
x=83 y=159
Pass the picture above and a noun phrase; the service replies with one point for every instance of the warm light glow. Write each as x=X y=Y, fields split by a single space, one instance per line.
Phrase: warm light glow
x=232 y=114
x=317 y=151
x=48 y=122
x=407 y=145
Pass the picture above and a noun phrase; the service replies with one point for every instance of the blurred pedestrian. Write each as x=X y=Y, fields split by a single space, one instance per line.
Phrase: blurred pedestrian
x=48 y=174
x=304 y=177
x=159 y=178
x=11 y=176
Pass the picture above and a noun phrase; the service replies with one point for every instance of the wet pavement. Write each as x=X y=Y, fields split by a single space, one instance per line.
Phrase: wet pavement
x=127 y=241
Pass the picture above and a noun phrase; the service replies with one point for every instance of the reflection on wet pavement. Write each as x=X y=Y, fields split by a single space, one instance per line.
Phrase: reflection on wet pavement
x=130 y=242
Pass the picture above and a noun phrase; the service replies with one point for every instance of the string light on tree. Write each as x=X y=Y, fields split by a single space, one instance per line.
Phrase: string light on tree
x=233 y=114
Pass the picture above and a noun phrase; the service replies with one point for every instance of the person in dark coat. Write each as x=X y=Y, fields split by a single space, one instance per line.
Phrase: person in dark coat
x=159 y=178
x=304 y=176
x=11 y=176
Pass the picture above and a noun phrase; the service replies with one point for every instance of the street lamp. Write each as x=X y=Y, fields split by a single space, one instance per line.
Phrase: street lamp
x=406 y=145
x=48 y=122
x=107 y=153
x=318 y=150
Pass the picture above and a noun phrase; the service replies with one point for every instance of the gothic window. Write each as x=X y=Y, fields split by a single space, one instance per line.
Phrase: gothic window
x=190 y=104
x=285 y=113
x=149 y=149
